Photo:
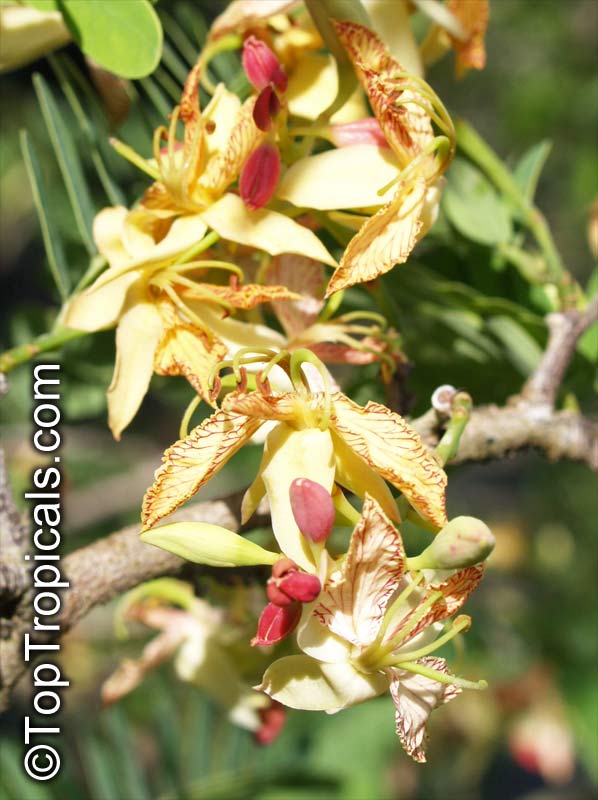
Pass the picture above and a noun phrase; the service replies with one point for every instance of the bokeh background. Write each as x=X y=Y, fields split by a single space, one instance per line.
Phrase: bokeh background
x=533 y=733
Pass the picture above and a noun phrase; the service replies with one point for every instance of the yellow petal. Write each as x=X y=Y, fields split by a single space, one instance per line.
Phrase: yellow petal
x=243 y=297
x=95 y=309
x=347 y=177
x=353 y=607
x=385 y=240
x=188 y=350
x=137 y=336
x=473 y=16
x=191 y=462
x=242 y=15
x=235 y=333
x=407 y=128
x=225 y=165
x=312 y=85
x=266 y=230
x=395 y=451
x=391 y=22
x=183 y=233
x=304 y=276
x=358 y=477
x=107 y=234
x=304 y=683
x=415 y=697
x=291 y=454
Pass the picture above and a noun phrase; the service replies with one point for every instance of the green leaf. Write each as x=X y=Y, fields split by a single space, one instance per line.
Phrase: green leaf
x=521 y=349
x=43 y=5
x=123 y=37
x=51 y=237
x=473 y=206
x=68 y=161
x=88 y=129
x=530 y=166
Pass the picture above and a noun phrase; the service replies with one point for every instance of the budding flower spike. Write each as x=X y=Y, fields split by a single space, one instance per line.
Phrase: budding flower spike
x=287 y=589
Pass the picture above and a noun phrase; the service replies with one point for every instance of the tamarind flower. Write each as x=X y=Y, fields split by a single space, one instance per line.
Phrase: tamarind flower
x=323 y=436
x=373 y=628
x=396 y=189
x=196 y=636
x=193 y=177
x=166 y=322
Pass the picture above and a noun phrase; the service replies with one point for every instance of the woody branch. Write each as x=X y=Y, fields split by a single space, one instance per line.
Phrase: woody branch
x=105 y=569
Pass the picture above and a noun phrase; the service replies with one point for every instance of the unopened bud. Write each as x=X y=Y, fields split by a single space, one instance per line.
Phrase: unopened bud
x=362 y=131
x=276 y=623
x=442 y=399
x=289 y=585
x=312 y=508
x=272 y=719
x=465 y=541
x=261 y=65
x=260 y=176
x=266 y=108
x=301 y=586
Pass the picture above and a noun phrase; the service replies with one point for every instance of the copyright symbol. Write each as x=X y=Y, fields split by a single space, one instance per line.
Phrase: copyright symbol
x=41 y=762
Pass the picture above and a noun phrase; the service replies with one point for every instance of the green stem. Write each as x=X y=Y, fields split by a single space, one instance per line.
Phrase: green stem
x=42 y=344
x=471 y=143
x=447 y=447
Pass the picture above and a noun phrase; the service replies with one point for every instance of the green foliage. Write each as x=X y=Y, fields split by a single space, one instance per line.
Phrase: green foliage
x=474 y=207
x=125 y=38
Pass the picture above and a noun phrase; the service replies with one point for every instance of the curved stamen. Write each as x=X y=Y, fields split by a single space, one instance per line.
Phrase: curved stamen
x=373 y=315
x=462 y=623
x=189 y=411
x=225 y=265
x=441 y=677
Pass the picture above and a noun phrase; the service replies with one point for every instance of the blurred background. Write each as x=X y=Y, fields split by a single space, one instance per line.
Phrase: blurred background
x=466 y=317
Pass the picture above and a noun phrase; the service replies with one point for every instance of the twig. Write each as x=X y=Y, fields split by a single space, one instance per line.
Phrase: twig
x=101 y=571
x=494 y=432
x=564 y=331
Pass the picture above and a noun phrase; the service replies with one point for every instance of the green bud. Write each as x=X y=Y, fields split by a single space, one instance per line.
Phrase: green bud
x=465 y=541
x=204 y=543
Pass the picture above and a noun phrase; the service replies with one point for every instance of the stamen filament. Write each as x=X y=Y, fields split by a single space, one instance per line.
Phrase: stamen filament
x=461 y=624
x=207 y=241
x=141 y=163
x=389 y=613
x=226 y=265
x=189 y=411
x=182 y=306
x=441 y=677
x=414 y=621
x=374 y=315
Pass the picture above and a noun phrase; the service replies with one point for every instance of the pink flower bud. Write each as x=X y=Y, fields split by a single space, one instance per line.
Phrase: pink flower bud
x=266 y=108
x=276 y=595
x=260 y=176
x=261 y=65
x=362 y=131
x=312 y=508
x=300 y=586
x=276 y=623
x=272 y=720
x=283 y=566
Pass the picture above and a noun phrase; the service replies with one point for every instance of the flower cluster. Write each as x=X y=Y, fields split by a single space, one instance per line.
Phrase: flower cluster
x=219 y=274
